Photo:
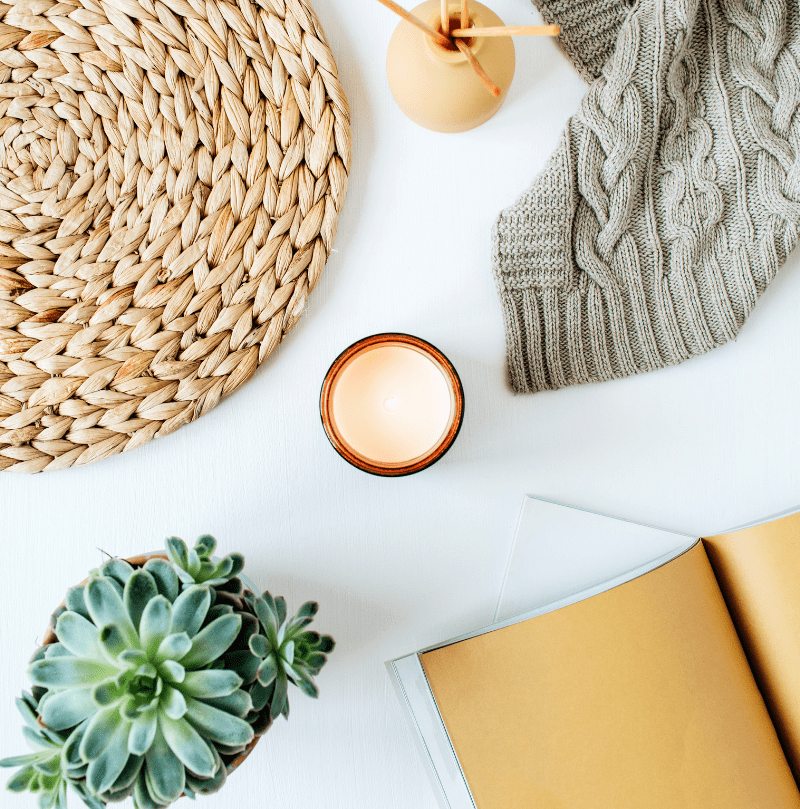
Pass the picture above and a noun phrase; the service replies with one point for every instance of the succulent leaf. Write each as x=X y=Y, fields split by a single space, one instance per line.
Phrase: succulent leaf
x=37 y=739
x=308 y=610
x=98 y=733
x=259 y=646
x=71 y=761
x=170 y=670
x=244 y=663
x=188 y=745
x=143 y=732
x=173 y=703
x=155 y=624
x=267 y=615
x=280 y=697
x=190 y=610
x=306 y=685
x=194 y=565
x=64 y=672
x=26 y=705
x=139 y=590
x=123 y=786
x=314 y=661
x=57 y=650
x=48 y=766
x=117 y=569
x=106 y=607
x=74 y=601
x=205 y=546
x=106 y=693
x=268 y=670
x=219 y=610
x=65 y=709
x=141 y=793
x=108 y=766
x=173 y=647
x=206 y=786
x=280 y=609
x=178 y=552
x=24 y=760
x=77 y=634
x=213 y=641
x=147 y=670
x=239 y=703
x=129 y=710
x=21 y=780
x=132 y=658
x=210 y=683
x=218 y=726
x=165 y=774
x=112 y=641
x=165 y=577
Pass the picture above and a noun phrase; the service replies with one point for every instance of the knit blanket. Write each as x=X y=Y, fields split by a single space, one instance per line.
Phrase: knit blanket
x=673 y=196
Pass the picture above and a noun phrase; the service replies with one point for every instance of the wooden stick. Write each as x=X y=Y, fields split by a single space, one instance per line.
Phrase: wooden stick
x=445 y=42
x=464 y=14
x=506 y=31
x=475 y=65
x=409 y=17
x=445 y=12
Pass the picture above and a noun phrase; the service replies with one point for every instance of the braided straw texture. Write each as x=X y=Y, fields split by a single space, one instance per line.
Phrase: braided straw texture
x=171 y=174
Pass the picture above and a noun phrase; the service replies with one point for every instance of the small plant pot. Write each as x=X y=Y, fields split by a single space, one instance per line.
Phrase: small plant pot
x=230 y=762
x=168 y=671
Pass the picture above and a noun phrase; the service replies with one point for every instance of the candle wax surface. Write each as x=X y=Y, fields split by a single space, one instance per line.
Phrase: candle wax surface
x=392 y=404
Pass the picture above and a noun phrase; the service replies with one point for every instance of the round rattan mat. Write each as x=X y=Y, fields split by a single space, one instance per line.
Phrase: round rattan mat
x=171 y=173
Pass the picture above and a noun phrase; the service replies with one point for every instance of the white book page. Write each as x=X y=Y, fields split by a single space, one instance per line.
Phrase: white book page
x=559 y=551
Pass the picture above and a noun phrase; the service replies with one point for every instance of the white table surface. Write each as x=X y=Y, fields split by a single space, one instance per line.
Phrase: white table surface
x=400 y=563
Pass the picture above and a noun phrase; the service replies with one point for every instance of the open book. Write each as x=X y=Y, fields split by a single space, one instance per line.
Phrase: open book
x=674 y=686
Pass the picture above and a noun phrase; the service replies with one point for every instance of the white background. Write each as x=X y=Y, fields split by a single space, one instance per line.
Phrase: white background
x=396 y=564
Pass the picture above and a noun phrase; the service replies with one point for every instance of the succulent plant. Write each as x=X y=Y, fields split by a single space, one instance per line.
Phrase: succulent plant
x=270 y=653
x=286 y=653
x=42 y=772
x=160 y=676
x=197 y=565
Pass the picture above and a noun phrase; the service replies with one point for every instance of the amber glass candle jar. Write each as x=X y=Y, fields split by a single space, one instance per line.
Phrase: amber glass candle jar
x=392 y=404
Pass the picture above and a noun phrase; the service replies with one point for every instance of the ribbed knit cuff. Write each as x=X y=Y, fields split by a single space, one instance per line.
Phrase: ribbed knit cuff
x=589 y=30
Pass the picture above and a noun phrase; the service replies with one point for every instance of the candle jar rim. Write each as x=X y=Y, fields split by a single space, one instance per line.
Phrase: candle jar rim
x=416 y=464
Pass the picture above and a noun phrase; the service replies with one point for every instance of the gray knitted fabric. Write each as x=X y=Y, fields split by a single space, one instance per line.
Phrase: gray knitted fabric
x=588 y=30
x=672 y=198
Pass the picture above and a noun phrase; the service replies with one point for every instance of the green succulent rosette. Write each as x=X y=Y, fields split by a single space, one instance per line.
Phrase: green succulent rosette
x=197 y=565
x=159 y=678
x=47 y=771
x=271 y=653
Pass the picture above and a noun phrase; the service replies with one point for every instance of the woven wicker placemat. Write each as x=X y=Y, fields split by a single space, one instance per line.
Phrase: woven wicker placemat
x=171 y=173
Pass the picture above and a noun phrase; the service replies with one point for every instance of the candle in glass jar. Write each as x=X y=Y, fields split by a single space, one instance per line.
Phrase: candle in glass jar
x=392 y=404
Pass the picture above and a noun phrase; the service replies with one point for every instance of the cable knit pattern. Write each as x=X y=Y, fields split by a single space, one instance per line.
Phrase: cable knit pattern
x=673 y=196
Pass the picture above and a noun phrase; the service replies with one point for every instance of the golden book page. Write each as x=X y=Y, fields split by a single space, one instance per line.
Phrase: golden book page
x=637 y=698
x=758 y=570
